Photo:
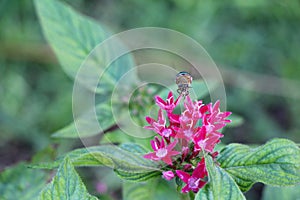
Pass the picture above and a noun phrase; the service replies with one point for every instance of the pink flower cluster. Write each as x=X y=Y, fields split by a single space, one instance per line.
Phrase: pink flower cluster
x=183 y=138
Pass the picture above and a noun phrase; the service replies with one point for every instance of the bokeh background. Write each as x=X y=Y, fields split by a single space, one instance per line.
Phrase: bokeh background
x=255 y=44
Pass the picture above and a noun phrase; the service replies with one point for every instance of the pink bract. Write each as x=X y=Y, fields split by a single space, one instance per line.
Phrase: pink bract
x=169 y=104
x=161 y=151
x=195 y=181
x=156 y=125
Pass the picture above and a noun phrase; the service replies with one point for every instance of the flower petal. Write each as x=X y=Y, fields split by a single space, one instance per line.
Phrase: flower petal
x=149 y=120
x=170 y=98
x=174 y=118
x=177 y=100
x=183 y=175
x=185 y=189
x=173 y=153
x=151 y=156
x=216 y=106
x=200 y=170
x=159 y=101
x=167 y=159
x=172 y=145
x=154 y=145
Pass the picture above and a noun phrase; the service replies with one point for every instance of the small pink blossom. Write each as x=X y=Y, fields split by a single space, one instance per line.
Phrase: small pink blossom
x=208 y=136
x=174 y=118
x=206 y=141
x=195 y=181
x=208 y=144
x=189 y=119
x=185 y=132
x=215 y=119
x=156 y=125
x=159 y=125
x=194 y=110
x=161 y=151
x=169 y=104
x=168 y=175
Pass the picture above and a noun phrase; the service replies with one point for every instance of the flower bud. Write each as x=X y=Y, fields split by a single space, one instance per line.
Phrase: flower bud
x=168 y=175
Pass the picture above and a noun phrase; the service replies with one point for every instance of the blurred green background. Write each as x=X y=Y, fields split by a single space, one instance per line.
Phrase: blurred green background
x=255 y=44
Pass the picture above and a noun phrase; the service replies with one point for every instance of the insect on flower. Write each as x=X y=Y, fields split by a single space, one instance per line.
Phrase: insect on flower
x=183 y=81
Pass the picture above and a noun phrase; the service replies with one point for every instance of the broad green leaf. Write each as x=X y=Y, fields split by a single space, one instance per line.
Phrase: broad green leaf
x=137 y=176
x=73 y=36
x=276 y=163
x=134 y=148
x=20 y=182
x=104 y=117
x=128 y=165
x=199 y=89
x=66 y=185
x=280 y=193
x=137 y=191
x=157 y=189
x=221 y=185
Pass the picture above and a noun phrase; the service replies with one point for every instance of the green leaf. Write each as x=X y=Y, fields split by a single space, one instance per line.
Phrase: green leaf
x=157 y=189
x=137 y=191
x=128 y=165
x=199 y=89
x=20 y=182
x=134 y=148
x=66 y=185
x=104 y=117
x=73 y=36
x=280 y=193
x=221 y=185
x=137 y=176
x=276 y=163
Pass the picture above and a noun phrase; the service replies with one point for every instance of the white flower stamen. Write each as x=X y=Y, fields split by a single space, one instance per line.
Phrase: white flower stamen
x=167 y=132
x=161 y=152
